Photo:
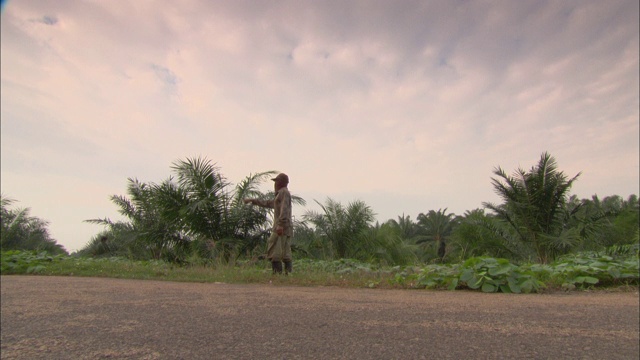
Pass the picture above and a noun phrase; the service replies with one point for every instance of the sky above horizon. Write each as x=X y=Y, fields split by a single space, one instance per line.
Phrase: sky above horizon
x=408 y=106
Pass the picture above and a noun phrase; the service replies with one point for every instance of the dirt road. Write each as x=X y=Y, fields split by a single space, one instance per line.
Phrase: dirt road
x=94 y=318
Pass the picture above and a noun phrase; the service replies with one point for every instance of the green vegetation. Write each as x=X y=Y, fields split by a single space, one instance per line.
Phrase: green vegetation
x=20 y=231
x=197 y=216
x=616 y=267
x=194 y=226
x=534 y=209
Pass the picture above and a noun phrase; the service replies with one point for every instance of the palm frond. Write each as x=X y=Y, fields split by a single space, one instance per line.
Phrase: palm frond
x=249 y=186
x=105 y=221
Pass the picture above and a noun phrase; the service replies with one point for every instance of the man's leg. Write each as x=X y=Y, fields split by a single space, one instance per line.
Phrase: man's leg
x=276 y=267
x=274 y=253
x=286 y=257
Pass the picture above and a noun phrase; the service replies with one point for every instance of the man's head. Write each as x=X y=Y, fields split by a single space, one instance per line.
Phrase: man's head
x=280 y=181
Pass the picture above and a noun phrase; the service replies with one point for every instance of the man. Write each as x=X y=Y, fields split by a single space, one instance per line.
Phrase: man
x=279 y=244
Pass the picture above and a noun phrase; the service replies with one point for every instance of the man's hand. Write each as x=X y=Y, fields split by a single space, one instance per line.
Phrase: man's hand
x=279 y=230
x=247 y=201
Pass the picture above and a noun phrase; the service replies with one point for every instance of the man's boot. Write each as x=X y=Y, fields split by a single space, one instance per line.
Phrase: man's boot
x=288 y=267
x=277 y=267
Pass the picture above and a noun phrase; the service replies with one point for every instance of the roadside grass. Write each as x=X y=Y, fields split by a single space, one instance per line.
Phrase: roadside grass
x=306 y=272
x=584 y=271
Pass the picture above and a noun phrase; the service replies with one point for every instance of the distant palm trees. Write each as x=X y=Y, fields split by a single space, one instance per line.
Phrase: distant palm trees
x=348 y=232
x=341 y=226
x=21 y=231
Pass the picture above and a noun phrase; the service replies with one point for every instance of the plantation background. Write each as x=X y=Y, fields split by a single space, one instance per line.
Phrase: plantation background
x=539 y=235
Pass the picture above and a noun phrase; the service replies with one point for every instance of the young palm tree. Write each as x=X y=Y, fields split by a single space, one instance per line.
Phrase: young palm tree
x=340 y=225
x=534 y=207
x=203 y=204
x=383 y=244
x=408 y=229
x=477 y=235
x=147 y=229
x=197 y=213
x=201 y=200
x=436 y=226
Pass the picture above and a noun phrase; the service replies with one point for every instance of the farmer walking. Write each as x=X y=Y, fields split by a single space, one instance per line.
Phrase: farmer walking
x=279 y=244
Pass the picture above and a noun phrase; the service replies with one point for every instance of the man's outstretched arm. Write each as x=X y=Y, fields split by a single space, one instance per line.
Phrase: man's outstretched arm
x=258 y=202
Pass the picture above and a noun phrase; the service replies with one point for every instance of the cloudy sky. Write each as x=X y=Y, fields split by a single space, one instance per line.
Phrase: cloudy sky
x=405 y=105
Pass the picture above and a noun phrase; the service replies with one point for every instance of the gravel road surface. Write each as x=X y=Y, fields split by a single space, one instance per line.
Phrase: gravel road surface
x=96 y=318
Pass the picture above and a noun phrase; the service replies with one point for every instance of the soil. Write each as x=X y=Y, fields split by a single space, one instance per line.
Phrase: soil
x=99 y=318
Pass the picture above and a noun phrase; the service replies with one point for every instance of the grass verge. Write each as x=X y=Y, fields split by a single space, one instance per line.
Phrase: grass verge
x=578 y=272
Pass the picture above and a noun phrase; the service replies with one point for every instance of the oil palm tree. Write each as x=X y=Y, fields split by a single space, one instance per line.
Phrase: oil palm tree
x=340 y=225
x=408 y=229
x=196 y=211
x=211 y=211
x=534 y=207
x=384 y=244
x=146 y=229
x=436 y=226
x=476 y=234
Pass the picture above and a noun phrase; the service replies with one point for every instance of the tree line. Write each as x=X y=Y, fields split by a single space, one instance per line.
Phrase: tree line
x=196 y=216
x=21 y=231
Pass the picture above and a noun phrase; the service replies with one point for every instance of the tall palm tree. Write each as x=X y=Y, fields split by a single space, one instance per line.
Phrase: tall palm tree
x=534 y=207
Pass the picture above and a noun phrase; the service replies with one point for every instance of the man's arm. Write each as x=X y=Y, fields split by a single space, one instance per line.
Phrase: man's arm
x=261 y=203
